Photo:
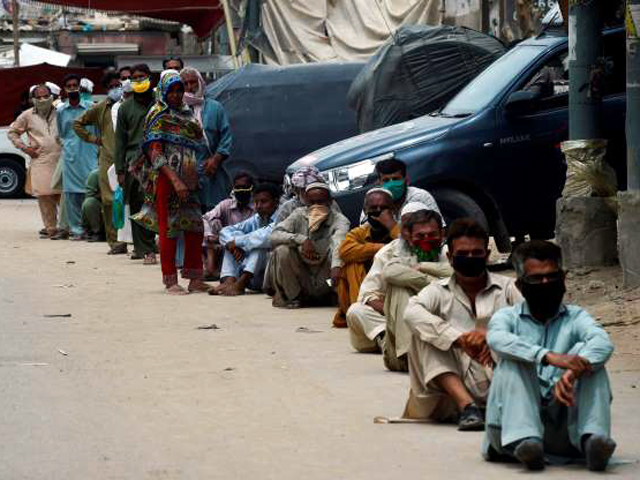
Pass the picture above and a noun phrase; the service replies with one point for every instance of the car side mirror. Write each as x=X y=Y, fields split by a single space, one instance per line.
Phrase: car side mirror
x=521 y=102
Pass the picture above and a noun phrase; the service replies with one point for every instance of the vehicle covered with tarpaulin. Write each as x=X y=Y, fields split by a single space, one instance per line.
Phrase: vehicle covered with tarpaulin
x=279 y=114
x=417 y=71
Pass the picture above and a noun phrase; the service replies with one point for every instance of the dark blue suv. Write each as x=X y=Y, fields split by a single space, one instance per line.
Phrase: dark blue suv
x=493 y=152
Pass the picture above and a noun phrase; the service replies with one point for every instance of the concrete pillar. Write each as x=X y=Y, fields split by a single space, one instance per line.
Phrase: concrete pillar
x=629 y=237
x=586 y=231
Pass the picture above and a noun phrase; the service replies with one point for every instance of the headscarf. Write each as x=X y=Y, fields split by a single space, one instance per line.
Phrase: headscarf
x=305 y=176
x=167 y=124
x=194 y=100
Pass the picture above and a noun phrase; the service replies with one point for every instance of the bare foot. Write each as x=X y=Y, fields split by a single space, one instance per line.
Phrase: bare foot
x=198 y=286
x=233 y=290
x=176 y=290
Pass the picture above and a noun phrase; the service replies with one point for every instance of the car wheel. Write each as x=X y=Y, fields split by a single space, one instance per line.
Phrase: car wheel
x=12 y=178
x=454 y=204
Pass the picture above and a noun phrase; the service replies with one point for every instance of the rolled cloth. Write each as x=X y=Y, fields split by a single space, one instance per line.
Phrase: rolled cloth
x=305 y=176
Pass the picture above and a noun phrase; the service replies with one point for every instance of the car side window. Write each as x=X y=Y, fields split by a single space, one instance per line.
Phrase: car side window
x=551 y=83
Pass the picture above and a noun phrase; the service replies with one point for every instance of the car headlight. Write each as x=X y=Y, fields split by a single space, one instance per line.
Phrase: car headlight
x=353 y=177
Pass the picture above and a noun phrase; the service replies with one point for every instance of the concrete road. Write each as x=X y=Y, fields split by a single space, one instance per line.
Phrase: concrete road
x=129 y=388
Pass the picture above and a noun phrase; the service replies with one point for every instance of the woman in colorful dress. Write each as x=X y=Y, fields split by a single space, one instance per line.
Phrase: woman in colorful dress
x=168 y=171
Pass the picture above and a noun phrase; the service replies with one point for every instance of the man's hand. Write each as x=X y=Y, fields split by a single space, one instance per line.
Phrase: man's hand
x=474 y=344
x=386 y=219
x=575 y=363
x=377 y=305
x=308 y=250
x=335 y=276
x=181 y=189
x=238 y=254
x=32 y=152
x=563 y=391
x=121 y=179
x=230 y=246
x=211 y=166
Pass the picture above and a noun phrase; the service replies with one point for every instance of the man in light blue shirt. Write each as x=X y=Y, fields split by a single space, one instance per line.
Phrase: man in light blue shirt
x=79 y=158
x=550 y=394
x=247 y=245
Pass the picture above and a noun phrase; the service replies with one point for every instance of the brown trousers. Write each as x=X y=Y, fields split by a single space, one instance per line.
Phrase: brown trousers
x=48 y=205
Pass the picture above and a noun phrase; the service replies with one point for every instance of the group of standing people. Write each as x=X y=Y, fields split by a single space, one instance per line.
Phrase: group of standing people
x=485 y=351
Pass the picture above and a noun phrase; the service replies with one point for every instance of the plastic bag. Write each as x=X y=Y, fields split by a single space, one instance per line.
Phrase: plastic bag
x=588 y=173
x=117 y=216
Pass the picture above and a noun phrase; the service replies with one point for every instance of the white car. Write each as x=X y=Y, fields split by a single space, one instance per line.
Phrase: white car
x=13 y=167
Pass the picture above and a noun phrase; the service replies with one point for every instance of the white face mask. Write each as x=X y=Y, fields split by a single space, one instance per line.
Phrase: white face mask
x=115 y=94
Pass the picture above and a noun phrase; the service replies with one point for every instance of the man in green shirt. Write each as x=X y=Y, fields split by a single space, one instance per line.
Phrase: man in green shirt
x=129 y=135
x=92 y=208
x=100 y=117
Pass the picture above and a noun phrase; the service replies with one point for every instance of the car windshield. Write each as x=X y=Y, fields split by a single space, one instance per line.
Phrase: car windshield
x=484 y=88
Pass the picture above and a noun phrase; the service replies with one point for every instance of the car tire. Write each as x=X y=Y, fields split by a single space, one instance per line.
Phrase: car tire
x=12 y=178
x=454 y=204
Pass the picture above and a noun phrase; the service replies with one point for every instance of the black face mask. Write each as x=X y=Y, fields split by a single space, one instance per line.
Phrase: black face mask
x=375 y=224
x=73 y=95
x=544 y=299
x=469 y=266
x=243 y=198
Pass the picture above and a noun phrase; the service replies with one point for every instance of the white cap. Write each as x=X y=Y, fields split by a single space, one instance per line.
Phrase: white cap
x=379 y=190
x=55 y=89
x=315 y=185
x=412 y=207
x=87 y=85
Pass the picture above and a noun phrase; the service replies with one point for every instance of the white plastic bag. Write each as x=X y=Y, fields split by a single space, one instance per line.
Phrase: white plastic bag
x=124 y=234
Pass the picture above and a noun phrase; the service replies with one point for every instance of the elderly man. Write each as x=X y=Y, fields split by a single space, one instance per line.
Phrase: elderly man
x=214 y=179
x=550 y=391
x=392 y=176
x=450 y=364
x=40 y=126
x=79 y=158
x=416 y=262
x=237 y=208
x=100 y=117
x=360 y=246
x=306 y=251
x=247 y=245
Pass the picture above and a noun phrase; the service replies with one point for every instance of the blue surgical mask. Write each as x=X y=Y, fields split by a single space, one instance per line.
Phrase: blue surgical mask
x=396 y=187
x=85 y=96
x=115 y=94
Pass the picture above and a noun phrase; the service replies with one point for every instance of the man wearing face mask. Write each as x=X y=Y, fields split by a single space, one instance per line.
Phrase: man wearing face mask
x=40 y=126
x=128 y=141
x=100 y=117
x=79 y=157
x=235 y=209
x=306 y=257
x=360 y=246
x=416 y=262
x=450 y=364
x=392 y=176
x=214 y=179
x=550 y=392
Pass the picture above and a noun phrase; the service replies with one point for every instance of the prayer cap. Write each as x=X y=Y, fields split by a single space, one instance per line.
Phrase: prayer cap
x=314 y=185
x=379 y=190
x=412 y=207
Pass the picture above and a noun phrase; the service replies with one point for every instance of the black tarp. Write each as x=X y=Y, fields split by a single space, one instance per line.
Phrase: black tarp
x=279 y=114
x=417 y=71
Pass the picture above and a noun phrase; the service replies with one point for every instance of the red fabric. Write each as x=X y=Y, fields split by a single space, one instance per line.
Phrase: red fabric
x=192 y=267
x=16 y=81
x=201 y=15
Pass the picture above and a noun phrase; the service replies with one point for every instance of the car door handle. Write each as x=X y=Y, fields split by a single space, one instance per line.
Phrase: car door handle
x=488 y=145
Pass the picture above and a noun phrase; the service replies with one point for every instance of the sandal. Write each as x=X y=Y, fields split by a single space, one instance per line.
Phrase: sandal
x=471 y=419
x=150 y=259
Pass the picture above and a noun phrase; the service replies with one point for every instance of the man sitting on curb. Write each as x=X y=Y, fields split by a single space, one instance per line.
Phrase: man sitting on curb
x=550 y=391
x=247 y=245
x=416 y=262
x=360 y=246
x=450 y=364
x=306 y=251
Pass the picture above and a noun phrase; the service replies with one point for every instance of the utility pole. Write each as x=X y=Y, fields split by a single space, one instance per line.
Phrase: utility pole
x=16 y=32
x=585 y=47
x=629 y=201
x=230 y=33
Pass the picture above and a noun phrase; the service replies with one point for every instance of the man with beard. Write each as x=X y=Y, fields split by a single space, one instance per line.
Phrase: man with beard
x=247 y=245
x=100 y=117
x=415 y=263
x=450 y=364
x=360 y=246
x=550 y=392
x=128 y=140
x=79 y=158
x=305 y=262
x=39 y=125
